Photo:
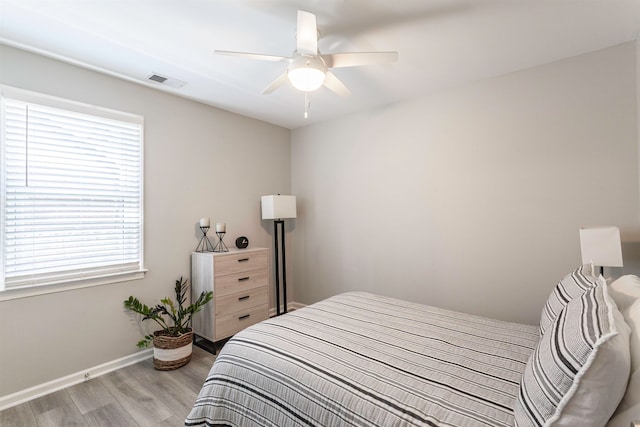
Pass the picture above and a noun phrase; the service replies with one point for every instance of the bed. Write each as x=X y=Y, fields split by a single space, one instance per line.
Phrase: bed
x=360 y=359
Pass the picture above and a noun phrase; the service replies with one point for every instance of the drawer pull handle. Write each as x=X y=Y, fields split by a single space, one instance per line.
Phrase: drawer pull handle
x=243 y=298
x=243 y=279
x=243 y=259
x=246 y=316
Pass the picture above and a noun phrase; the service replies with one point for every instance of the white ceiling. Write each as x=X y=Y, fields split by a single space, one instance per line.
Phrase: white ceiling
x=441 y=43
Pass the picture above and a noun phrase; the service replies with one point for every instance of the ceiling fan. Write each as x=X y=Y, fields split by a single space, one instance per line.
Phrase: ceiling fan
x=307 y=68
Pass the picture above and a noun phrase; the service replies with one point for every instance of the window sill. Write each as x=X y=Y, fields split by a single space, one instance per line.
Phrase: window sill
x=32 y=291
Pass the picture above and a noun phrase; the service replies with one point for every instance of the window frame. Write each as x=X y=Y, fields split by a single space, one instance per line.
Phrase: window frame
x=62 y=285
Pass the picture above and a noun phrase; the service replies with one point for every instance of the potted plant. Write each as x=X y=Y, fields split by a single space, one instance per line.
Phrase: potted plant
x=172 y=344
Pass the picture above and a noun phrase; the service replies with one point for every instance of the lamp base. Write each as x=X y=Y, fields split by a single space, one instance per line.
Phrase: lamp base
x=279 y=255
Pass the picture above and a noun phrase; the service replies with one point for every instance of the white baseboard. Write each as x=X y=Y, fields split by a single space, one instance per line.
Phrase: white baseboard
x=290 y=307
x=295 y=305
x=58 y=384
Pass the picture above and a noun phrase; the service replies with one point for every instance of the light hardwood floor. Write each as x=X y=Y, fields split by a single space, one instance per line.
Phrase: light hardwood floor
x=137 y=395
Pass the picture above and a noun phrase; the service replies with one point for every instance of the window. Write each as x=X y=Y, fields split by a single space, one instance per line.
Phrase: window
x=71 y=187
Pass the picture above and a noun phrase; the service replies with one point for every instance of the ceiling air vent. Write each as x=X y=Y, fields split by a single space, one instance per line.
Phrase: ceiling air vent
x=167 y=81
x=157 y=78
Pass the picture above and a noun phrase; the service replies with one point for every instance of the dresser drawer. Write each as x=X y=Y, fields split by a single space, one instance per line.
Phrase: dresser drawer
x=240 y=262
x=241 y=282
x=230 y=324
x=241 y=301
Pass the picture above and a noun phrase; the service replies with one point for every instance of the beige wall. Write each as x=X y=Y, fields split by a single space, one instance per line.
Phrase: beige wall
x=192 y=154
x=470 y=198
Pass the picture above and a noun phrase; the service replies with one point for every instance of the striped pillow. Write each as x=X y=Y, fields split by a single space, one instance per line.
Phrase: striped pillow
x=572 y=285
x=578 y=373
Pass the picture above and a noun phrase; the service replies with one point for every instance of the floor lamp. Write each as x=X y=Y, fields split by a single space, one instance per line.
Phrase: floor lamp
x=601 y=246
x=278 y=208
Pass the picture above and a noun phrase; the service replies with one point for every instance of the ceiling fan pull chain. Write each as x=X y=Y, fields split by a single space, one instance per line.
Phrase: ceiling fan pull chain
x=307 y=104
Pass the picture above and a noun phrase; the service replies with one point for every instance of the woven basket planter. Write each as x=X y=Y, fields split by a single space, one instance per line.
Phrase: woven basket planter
x=171 y=352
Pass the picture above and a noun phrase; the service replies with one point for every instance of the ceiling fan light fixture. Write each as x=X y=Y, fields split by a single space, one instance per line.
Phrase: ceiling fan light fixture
x=307 y=74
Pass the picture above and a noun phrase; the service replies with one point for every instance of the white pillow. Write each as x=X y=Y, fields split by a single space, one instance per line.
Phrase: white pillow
x=624 y=418
x=578 y=373
x=626 y=293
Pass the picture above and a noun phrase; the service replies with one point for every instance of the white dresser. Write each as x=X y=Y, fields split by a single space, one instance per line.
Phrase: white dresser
x=239 y=280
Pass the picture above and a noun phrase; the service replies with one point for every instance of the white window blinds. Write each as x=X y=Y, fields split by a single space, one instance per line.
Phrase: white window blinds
x=71 y=194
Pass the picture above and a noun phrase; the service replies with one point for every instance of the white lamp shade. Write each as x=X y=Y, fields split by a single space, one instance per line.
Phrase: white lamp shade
x=601 y=245
x=278 y=207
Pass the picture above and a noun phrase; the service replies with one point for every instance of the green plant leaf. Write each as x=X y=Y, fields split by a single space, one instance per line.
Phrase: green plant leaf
x=176 y=312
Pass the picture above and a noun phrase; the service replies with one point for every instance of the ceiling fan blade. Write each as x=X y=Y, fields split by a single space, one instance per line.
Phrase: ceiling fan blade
x=277 y=83
x=337 y=60
x=307 y=34
x=335 y=85
x=259 y=56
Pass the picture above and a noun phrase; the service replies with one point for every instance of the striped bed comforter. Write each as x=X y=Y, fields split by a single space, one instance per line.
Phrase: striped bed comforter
x=359 y=359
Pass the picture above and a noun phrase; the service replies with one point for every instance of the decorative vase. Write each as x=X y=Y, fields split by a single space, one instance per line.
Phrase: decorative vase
x=171 y=352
